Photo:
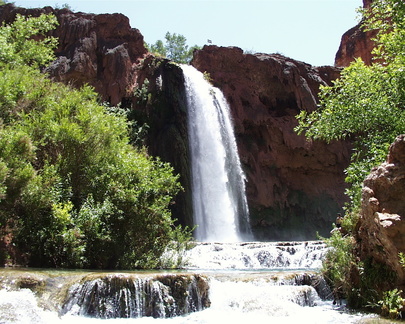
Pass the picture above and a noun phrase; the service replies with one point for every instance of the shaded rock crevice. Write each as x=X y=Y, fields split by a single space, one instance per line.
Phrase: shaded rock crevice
x=164 y=110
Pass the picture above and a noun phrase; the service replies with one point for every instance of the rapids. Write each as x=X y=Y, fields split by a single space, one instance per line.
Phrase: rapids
x=257 y=255
x=289 y=290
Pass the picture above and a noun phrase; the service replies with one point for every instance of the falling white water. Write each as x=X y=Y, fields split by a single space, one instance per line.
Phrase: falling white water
x=218 y=182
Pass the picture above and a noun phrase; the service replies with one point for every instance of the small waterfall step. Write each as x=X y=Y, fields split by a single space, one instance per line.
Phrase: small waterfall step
x=238 y=296
x=105 y=295
x=133 y=296
x=257 y=255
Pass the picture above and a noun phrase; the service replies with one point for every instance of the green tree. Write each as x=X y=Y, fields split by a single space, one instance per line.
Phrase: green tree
x=366 y=104
x=175 y=48
x=19 y=46
x=73 y=191
x=159 y=48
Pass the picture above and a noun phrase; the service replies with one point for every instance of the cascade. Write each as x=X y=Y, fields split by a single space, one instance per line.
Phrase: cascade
x=218 y=182
x=125 y=296
x=282 y=297
x=257 y=255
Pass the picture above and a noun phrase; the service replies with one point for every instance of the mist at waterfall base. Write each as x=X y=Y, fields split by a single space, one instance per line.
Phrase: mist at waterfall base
x=248 y=282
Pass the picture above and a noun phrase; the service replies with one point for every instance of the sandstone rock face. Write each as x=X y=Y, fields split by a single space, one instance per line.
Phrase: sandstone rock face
x=356 y=43
x=295 y=187
x=381 y=227
x=100 y=50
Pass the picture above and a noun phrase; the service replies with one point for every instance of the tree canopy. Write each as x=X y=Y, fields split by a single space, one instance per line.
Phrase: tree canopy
x=367 y=103
x=174 y=48
x=73 y=191
x=367 y=106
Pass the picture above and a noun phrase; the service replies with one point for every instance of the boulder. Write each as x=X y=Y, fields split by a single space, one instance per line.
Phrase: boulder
x=380 y=231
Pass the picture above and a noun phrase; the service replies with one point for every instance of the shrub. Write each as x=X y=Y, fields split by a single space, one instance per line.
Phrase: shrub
x=392 y=303
x=73 y=191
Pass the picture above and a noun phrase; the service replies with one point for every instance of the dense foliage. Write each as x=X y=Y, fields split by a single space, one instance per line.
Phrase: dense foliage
x=174 y=48
x=366 y=105
x=73 y=191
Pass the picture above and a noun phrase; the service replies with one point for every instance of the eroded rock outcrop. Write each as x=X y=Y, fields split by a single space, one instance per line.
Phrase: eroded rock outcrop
x=356 y=43
x=295 y=187
x=381 y=228
x=100 y=50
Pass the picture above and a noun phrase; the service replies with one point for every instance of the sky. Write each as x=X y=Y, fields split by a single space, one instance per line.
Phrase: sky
x=305 y=30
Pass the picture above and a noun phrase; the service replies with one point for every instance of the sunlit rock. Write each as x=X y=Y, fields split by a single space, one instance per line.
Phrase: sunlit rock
x=381 y=229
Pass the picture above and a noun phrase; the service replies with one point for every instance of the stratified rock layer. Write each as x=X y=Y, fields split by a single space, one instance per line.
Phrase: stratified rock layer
x=381 y=229
x=294 y=187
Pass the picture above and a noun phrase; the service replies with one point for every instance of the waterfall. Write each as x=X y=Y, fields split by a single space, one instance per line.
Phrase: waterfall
x=218 y=182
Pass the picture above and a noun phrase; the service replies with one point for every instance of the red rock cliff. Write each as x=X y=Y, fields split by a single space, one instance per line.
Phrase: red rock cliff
x=381 y=227
x=294 y=186
x=100 y=50
x=355 y=43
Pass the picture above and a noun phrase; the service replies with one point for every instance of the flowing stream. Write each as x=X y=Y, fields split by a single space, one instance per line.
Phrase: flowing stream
x=263 y=283
x=229 y=281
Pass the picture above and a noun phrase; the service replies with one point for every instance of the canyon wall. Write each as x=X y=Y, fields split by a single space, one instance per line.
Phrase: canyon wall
x=100 y=50
x=295 y=187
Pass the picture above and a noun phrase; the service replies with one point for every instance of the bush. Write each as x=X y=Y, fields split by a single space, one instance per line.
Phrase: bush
x=366 y=106
x=73 y=190
x=338 y=263
x=392 y=303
